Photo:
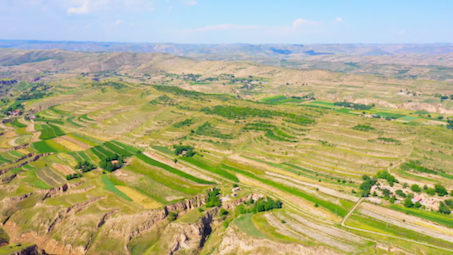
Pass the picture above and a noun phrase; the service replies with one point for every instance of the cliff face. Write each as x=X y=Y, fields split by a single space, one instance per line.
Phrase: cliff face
x=235 y=242
x=181 y=238
x=70 y=230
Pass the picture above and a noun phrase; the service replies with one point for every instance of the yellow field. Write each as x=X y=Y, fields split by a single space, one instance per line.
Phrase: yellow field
x=70 y=145
x=23 y=151
x=139 y=198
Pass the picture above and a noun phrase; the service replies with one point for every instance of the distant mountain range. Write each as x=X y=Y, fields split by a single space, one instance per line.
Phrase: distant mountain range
x=263 y=50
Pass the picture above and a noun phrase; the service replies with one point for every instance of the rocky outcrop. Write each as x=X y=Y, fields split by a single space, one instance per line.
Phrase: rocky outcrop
x=187 y=204
x=187 y=238
x=236 y=242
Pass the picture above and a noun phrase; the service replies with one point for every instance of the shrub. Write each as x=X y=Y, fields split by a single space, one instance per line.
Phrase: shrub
x=416 y=188
x=172 y=216
x=440 y=190
x=444 y=209
x=400 y=193
x=213 y=198
x=223 y=212
x=186 y=150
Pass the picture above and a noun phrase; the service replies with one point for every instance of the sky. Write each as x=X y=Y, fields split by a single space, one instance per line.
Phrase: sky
x=228 y=21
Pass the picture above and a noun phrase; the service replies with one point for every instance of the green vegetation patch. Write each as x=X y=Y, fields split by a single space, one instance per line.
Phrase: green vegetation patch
x=363 y=128
x=245 y=224
x=15 y=123
x=431 y=216
x=51 y=132
x=43 y=147
x=118 y=149
x=170 y=169
x=110 y=186
x=408 y=118
x=213 y=169
x=85 y=139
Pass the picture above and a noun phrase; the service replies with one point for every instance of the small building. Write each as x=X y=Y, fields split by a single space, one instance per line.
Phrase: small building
x=115 y=161
x=236 y=189
x=417 y=199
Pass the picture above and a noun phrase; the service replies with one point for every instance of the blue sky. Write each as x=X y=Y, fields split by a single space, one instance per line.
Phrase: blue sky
x=229 y=21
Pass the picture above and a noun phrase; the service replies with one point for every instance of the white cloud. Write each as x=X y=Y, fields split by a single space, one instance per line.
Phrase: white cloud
x=169 y=8
x=337 y=20
x=298 y=23
x=82 y=9
x=118 y=22
x=191 y=2
x=91 y=6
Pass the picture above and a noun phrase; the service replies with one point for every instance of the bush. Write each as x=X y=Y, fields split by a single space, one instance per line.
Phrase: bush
x=73 y=176
x=431 y=191
x=444 y=209
x=187 y=150
x=400 y=193
x=416 y=188
x=172 y=216
x=408 y=202
x=223 y=212
x=440 y=190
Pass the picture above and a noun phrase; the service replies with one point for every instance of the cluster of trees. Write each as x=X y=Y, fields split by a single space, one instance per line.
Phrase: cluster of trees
x=184 y=123
x=31 y=96
x=73 y=176
x=208 y=130
x=415 y=165
x=363 y=128
x=213 y=199
x=185 y=150
x=387 y=176
x=107 y=164
x=85 y=166
x=354 y=106
x=366 y=185
x=261 y=205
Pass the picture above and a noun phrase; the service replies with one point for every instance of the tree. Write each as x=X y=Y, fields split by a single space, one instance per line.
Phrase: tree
x=431 y=191
x=408 y=202
x=441 y=190
x=392 y=199
x=416 y=188
x=444 y=209
x=417 y=205
x=400 y=193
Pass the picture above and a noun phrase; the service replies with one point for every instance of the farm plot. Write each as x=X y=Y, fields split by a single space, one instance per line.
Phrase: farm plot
x=118 y=149
x=43 y=147
x=50 y=131
x=112 y=188
x=65 y=170
x=15 y=123
x=47 y=175
x=164 y=177
x=139 y=198
x=68 y=144
x=172 y=170
x=101 y=152
x=84 y=139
